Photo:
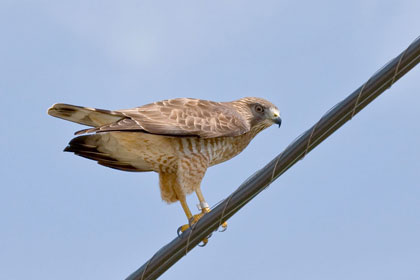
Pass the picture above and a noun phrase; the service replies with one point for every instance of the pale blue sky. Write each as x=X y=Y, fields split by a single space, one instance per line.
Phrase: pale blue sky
x=349 y=210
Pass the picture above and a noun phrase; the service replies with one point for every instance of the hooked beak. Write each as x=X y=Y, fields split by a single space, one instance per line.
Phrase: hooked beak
x=277 y=120
x=274 y=115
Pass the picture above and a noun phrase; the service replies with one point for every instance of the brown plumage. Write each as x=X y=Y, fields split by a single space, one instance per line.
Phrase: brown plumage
x=177 y=138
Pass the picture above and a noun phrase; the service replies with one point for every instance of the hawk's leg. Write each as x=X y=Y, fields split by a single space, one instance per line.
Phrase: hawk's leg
x=191 y=219
x=184 y=205
x=205 y=207
x=171 y=191
x=187 y=211
x=190 y=172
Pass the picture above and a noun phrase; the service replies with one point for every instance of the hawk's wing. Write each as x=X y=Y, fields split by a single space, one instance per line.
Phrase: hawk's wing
x=180 y=117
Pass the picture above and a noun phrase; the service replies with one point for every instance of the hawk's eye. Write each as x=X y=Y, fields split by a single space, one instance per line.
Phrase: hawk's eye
x=259 y=109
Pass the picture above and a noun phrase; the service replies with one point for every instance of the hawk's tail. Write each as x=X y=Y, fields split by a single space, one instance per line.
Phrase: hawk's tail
x=83 y=115
x=89 y=146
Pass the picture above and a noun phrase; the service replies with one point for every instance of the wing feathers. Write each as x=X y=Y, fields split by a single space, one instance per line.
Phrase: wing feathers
x=87 y=146
x=172 y=117
x=121 y=125
x=189 y=117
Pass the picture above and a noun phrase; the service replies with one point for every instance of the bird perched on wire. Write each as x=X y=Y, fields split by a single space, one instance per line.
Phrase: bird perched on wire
x=177 y=138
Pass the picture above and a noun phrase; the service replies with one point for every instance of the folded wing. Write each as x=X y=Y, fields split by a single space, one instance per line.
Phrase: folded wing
x=180 y=117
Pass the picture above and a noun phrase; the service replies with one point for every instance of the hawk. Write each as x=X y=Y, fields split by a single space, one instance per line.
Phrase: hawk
x=177 y=138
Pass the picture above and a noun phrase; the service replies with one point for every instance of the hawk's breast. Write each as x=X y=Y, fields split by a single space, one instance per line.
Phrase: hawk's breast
x=214 y=150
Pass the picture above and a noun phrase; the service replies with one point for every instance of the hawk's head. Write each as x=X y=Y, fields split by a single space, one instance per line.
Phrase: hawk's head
x=259 y=112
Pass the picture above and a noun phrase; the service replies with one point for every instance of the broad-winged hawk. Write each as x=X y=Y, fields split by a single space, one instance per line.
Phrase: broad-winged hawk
x=177 y=138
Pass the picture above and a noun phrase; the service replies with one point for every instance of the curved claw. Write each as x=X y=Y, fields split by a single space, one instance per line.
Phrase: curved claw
x=203 y=242
x=224 y=227
x=181 y=229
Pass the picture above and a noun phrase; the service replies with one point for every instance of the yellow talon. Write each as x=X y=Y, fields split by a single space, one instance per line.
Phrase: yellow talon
x=184 y=227
x=205 y=241
x=194 y=219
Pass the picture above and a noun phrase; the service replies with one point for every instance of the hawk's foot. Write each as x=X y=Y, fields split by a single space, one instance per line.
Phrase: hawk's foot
x=207 y=210
x=194 y=219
